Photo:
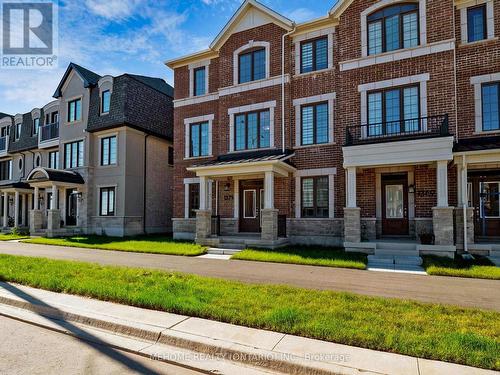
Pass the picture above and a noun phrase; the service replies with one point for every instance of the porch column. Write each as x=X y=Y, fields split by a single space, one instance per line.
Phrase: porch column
x=269 y=213
x=352 y=213
x=5 y=209
x=204 y=214
x=55 y=197
x=53 y=215
x=442 y=215
x=24 y=202
x=36 y=200
x=16 y=209
x=464 y=215
x=36 y=215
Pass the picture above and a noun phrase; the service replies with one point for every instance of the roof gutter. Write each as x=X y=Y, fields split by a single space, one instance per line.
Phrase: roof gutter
x=283 y=86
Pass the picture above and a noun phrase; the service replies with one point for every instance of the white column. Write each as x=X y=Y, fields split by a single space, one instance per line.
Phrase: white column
x=16 y=209
x=24 y=200
x=55 y=197
x=269 y=190
x=236 y=198
x=351 y=187
x=442 y=183
x=36 y=201
x=5 y=209
x=464 y=179
x=203 y=193
x=460 y=197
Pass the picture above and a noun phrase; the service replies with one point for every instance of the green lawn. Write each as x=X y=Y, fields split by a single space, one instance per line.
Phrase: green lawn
x=10 y=237
x=466 y=336
x=480 y=268
x=310 y=255
x=142 y=244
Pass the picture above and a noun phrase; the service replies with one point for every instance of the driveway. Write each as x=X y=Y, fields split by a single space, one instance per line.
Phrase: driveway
x=436 y=289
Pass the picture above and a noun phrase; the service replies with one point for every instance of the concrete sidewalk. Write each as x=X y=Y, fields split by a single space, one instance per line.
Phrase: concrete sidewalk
x=205 y=344
x=435 y=289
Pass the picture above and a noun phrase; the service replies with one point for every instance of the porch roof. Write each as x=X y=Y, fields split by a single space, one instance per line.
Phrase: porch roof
x=477 y=144
x=54 y=175
x=18 y=186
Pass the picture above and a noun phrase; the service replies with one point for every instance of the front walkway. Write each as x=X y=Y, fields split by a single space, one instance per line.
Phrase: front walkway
x=435 y=289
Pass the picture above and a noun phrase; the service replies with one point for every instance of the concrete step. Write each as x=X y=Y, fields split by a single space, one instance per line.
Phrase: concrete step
x=396 y=245
x=377 y=259
x=408 y=260
x=232 y=245
x=396 y=252
x=222 y=251
x=495 y=260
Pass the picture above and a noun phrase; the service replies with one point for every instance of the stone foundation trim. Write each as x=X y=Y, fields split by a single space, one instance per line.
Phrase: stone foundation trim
x=203 y=224
x=459 y=227
x=269 y=224
x=352 y=225
x=442 y=222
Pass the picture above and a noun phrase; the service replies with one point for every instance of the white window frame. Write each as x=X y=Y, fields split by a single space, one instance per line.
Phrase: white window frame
x=330 y=172
x=187 y=140
x=490 y=20
x=477 y=82
x=251 y=44
x=298 y=103
x=297 y=41
x=192 y=67
x=232 y=112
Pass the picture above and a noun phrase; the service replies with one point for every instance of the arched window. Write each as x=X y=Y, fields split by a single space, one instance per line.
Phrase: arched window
x=393 y=28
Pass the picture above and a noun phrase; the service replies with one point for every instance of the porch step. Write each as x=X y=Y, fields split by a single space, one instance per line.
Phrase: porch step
x=397 y=252
x=222 y=251
x=398 y=261
x=380 y=259
x=396 y=245
x=408 y=260
x=231 y=245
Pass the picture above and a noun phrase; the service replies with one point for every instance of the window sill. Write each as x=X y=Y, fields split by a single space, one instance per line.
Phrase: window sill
x=107 y=166
x=251 y=150
x=315 y=145
x=487 y=132
x=302 y=75
x=198 y=157
x=478 y=42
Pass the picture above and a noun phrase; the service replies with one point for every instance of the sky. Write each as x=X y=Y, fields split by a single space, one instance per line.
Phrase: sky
x=132 y=36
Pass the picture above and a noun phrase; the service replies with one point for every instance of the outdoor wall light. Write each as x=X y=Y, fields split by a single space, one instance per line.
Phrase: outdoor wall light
x=227 y=186
x=411 y=189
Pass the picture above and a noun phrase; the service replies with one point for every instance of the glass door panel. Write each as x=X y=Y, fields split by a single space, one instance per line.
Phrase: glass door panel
x=394 y=201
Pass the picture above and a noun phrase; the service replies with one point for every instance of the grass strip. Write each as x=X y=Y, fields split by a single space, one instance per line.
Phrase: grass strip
x=480 y=267
x=440 y=332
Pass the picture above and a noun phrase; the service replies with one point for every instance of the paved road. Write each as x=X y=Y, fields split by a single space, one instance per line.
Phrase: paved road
x=28 y=349
x=450 y=290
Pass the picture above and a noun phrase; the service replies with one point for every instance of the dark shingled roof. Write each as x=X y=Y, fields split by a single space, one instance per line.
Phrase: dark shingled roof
x=58 y=175
x=477 y=144
x=89 y=78
x=156 y=83
x=16 y=185
x=2 y=115
x=248 y=157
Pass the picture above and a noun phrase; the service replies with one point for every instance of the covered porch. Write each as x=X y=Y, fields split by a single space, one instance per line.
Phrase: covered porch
x=16 y=201
x=237 y=200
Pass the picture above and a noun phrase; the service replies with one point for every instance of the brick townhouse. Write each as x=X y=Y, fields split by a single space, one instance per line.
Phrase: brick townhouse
x=378 y=121
x=96 y=160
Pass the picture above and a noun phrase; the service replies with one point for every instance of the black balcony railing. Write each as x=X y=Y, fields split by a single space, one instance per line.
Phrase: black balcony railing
x=423 y=127
x=49 y=131
x=3 y=143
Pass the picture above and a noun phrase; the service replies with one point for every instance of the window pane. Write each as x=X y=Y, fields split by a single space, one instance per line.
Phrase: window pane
x=204 y=139
x=392 y=111
x=411 y=109
x=112 y=151
x=111 y=201
x=194 y=199
x=307 y=57
x=375 y=113
x=491 y=203
x=240 y=132
x=410 y=30
x=265 y=129
x=394 y=201
x=80 y=153
x=199 y=88
x=375 y=38
x=74 y=155
x=490 y=102
x=104 y=202
x=392 y=33
x=252 y=135
x=476 y=23
x=249 y=204
x=307 y=192
x=195 y=140
x=67 y=156
x=71 y=111
x=308 y=125
x=259 y=64
x=106 y=97
x=322 y=53
x=105 y=151
x=245 y=66
x=78 y=110
x=322 y=192
x=322 y=123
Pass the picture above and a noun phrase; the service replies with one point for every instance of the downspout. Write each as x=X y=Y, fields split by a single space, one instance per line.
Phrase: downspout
x=145 y=183
x=283 y=148
x=455 y=72
x=464 y=203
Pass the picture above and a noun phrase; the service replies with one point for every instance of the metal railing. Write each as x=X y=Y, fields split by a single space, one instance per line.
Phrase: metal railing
x=281 y=225
x=432 y=126
x=3 y=144
x=49 y=131
x=215 y=225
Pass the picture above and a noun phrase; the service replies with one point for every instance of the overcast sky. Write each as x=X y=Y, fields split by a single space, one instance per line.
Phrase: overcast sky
x=133 y=36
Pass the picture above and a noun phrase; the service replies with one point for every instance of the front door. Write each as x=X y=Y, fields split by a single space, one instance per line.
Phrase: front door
x=484 y=196
x=251 y=193
x=71 y=203
x=395 y=205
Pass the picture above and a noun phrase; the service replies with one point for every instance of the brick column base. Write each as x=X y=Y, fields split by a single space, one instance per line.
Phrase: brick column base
x=442 y=222
x=36 y=220
x=269 y=224
x=352 y=224
x=459 y=226
x=203 y=224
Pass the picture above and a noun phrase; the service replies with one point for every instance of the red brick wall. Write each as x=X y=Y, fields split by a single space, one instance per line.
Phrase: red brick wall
x=366 y=192
x=425 y=190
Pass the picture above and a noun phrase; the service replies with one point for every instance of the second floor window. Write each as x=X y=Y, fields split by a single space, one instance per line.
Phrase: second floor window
x=73 y=155
x=75 y=110
x=36 y=125
x=252 y=130
x=199 y=76
x=314 y=55
x=315 y=197
x=252 y=66
x=54 y=159
x=108 y=150
x=314 y=122
x=491 y=106
x=198 y=139
x=17 y=132
x=5 y=170
x=105 y=101
x=51 y=118
x=476 y=23
x=394 y=111
x=393 y=28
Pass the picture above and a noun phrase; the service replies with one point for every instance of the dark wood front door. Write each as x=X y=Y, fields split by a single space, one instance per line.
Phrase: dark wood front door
x=483 y=192
x=71 y=202
x=395 y=205
x=251 y=196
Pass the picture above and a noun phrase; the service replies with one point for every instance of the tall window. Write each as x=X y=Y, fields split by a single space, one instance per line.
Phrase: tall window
x=314 y=122
x=105 y=101
x=5 y=170
x=194 y=199
x=252 y=66
x=36 y=125
x=199 y=76
x=314 y=55
x=54 y=159
x=107 y=201
x=491 y=105
x=394 y=111
x=252 y=130
x=75 y=110
x=17 y=132
x=490 y=192
x=393 y=28
x=198 y=135
x=315 y=196
x=476 y=23
x=108 y=150
x=73 y=154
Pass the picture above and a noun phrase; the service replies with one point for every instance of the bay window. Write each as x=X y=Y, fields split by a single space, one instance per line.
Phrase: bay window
x=252 y=130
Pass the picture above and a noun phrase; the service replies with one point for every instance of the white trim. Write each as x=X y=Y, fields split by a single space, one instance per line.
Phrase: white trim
x=192 y=120
x=299 y=174
x=298 y=103
x=382 y=4
x=477 y=82
x=254 y=85
x=313 y=35
x=195 y=100
x=187 y=182
x=192 y=67
x=105 y=79
x=271 y=105
x=490 y=19
x=249 y=45
x=401 y=54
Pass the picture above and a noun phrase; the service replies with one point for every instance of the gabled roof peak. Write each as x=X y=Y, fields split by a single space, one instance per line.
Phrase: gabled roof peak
x=89 y=78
